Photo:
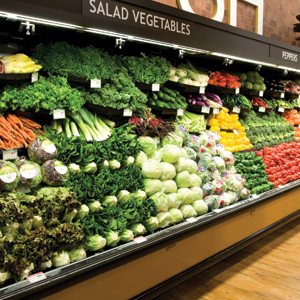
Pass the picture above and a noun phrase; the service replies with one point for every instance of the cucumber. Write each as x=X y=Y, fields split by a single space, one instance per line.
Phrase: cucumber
x=169 y=92
x=151 y=102
x=168 y=98
x=160 y=103
x=160 y=94
x=154 y=95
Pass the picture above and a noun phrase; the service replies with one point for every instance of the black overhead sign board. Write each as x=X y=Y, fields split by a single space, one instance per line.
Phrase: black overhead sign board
x=152 y=20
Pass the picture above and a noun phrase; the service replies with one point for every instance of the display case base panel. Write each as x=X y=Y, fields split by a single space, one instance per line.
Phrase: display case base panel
x=143 y=271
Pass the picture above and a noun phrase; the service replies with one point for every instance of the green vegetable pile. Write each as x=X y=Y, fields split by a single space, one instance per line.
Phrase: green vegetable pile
x=253 y=81
x=167 y=98
x=267 y=129
x=147 y=70
x=192 y=122
x=35 y=229
x=119 y=93
x=252 y=168
x=67 y=60
x=237 y=100
x=47 y=93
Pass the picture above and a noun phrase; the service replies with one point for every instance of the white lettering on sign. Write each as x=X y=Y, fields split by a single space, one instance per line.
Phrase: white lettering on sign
x=115 y=10
x=289 y=56
x=219 y=10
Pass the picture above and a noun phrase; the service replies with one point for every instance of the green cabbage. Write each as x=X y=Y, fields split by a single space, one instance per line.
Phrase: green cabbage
x=200 y=207
x=41 y=150
x=112 y=238
x=164 y=219
x=197 y=192
x=152 y=186
x=95 y=242
x=188 y=211
x=148 y=145
x=161 y=202
x=138 y=229
x=9 y=176
x=139 y=195
x=191 y=166
x=156 y=156
x=183 y=179
x=95 y=206
x=151 y=224
x=124 y=196
x=169 y=186
x=77 y=254
x=141 y=158
x=176 y=215
x=171 y=153
x=54 y=172
x=151 y=169
x=168 y=171
x=110 y=201
x=185 y=195
x=127 y=236
x=173 y=201
x=195 y=180
x=191 y=153
x=181 y=164
x=60 y=259
x=30 y=173
x=172 y=139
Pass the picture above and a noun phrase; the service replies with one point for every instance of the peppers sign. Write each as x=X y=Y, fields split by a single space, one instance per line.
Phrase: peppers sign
x=124 y=13
x=232 y=8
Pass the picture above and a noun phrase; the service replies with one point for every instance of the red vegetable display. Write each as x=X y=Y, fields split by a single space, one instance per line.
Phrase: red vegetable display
x=282 y=162
x=224 y=79
x=256 y=101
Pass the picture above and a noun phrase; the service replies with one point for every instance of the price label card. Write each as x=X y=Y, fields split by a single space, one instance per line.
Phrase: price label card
x=281 y=109
x=95 y=84
x=236 y=110
x=36 y=277
x=282 y=95
x=34 y=77
x=261 y=109
x=299 y=96
x=140 y=239
x=180 y=112
x=59 y=114
x=202 y=90
x=155 y=87
x=261 y=93
x=205 y=109
x=10 y=154
x=216 y=111
x=127 y=112
x=237 y=90
x=218 y=210
x=191 y=220
x=235 y=131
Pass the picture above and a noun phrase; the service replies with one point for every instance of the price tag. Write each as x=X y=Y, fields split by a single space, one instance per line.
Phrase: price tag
x=202 y=90
x=10 y=154
x=281 y=109
x=36 y=277
x=282 y=95
x=155 y=87
x=237 y=90
x=140 y=239
x=205 y=109
x=254 y=196
x=180 y=112
x=95 y=84
x=127 y=112
x=216 y=111
x=218 y=210
x=34 y=77
x=261 y=109
x=235 y=131
x=59 y=114
x=261 y=93
x=191 y=220
x=9 y=177
x=299 y=96
x=236 y=110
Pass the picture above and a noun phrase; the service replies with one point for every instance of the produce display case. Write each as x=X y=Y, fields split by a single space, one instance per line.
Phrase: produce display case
x=159 y=260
